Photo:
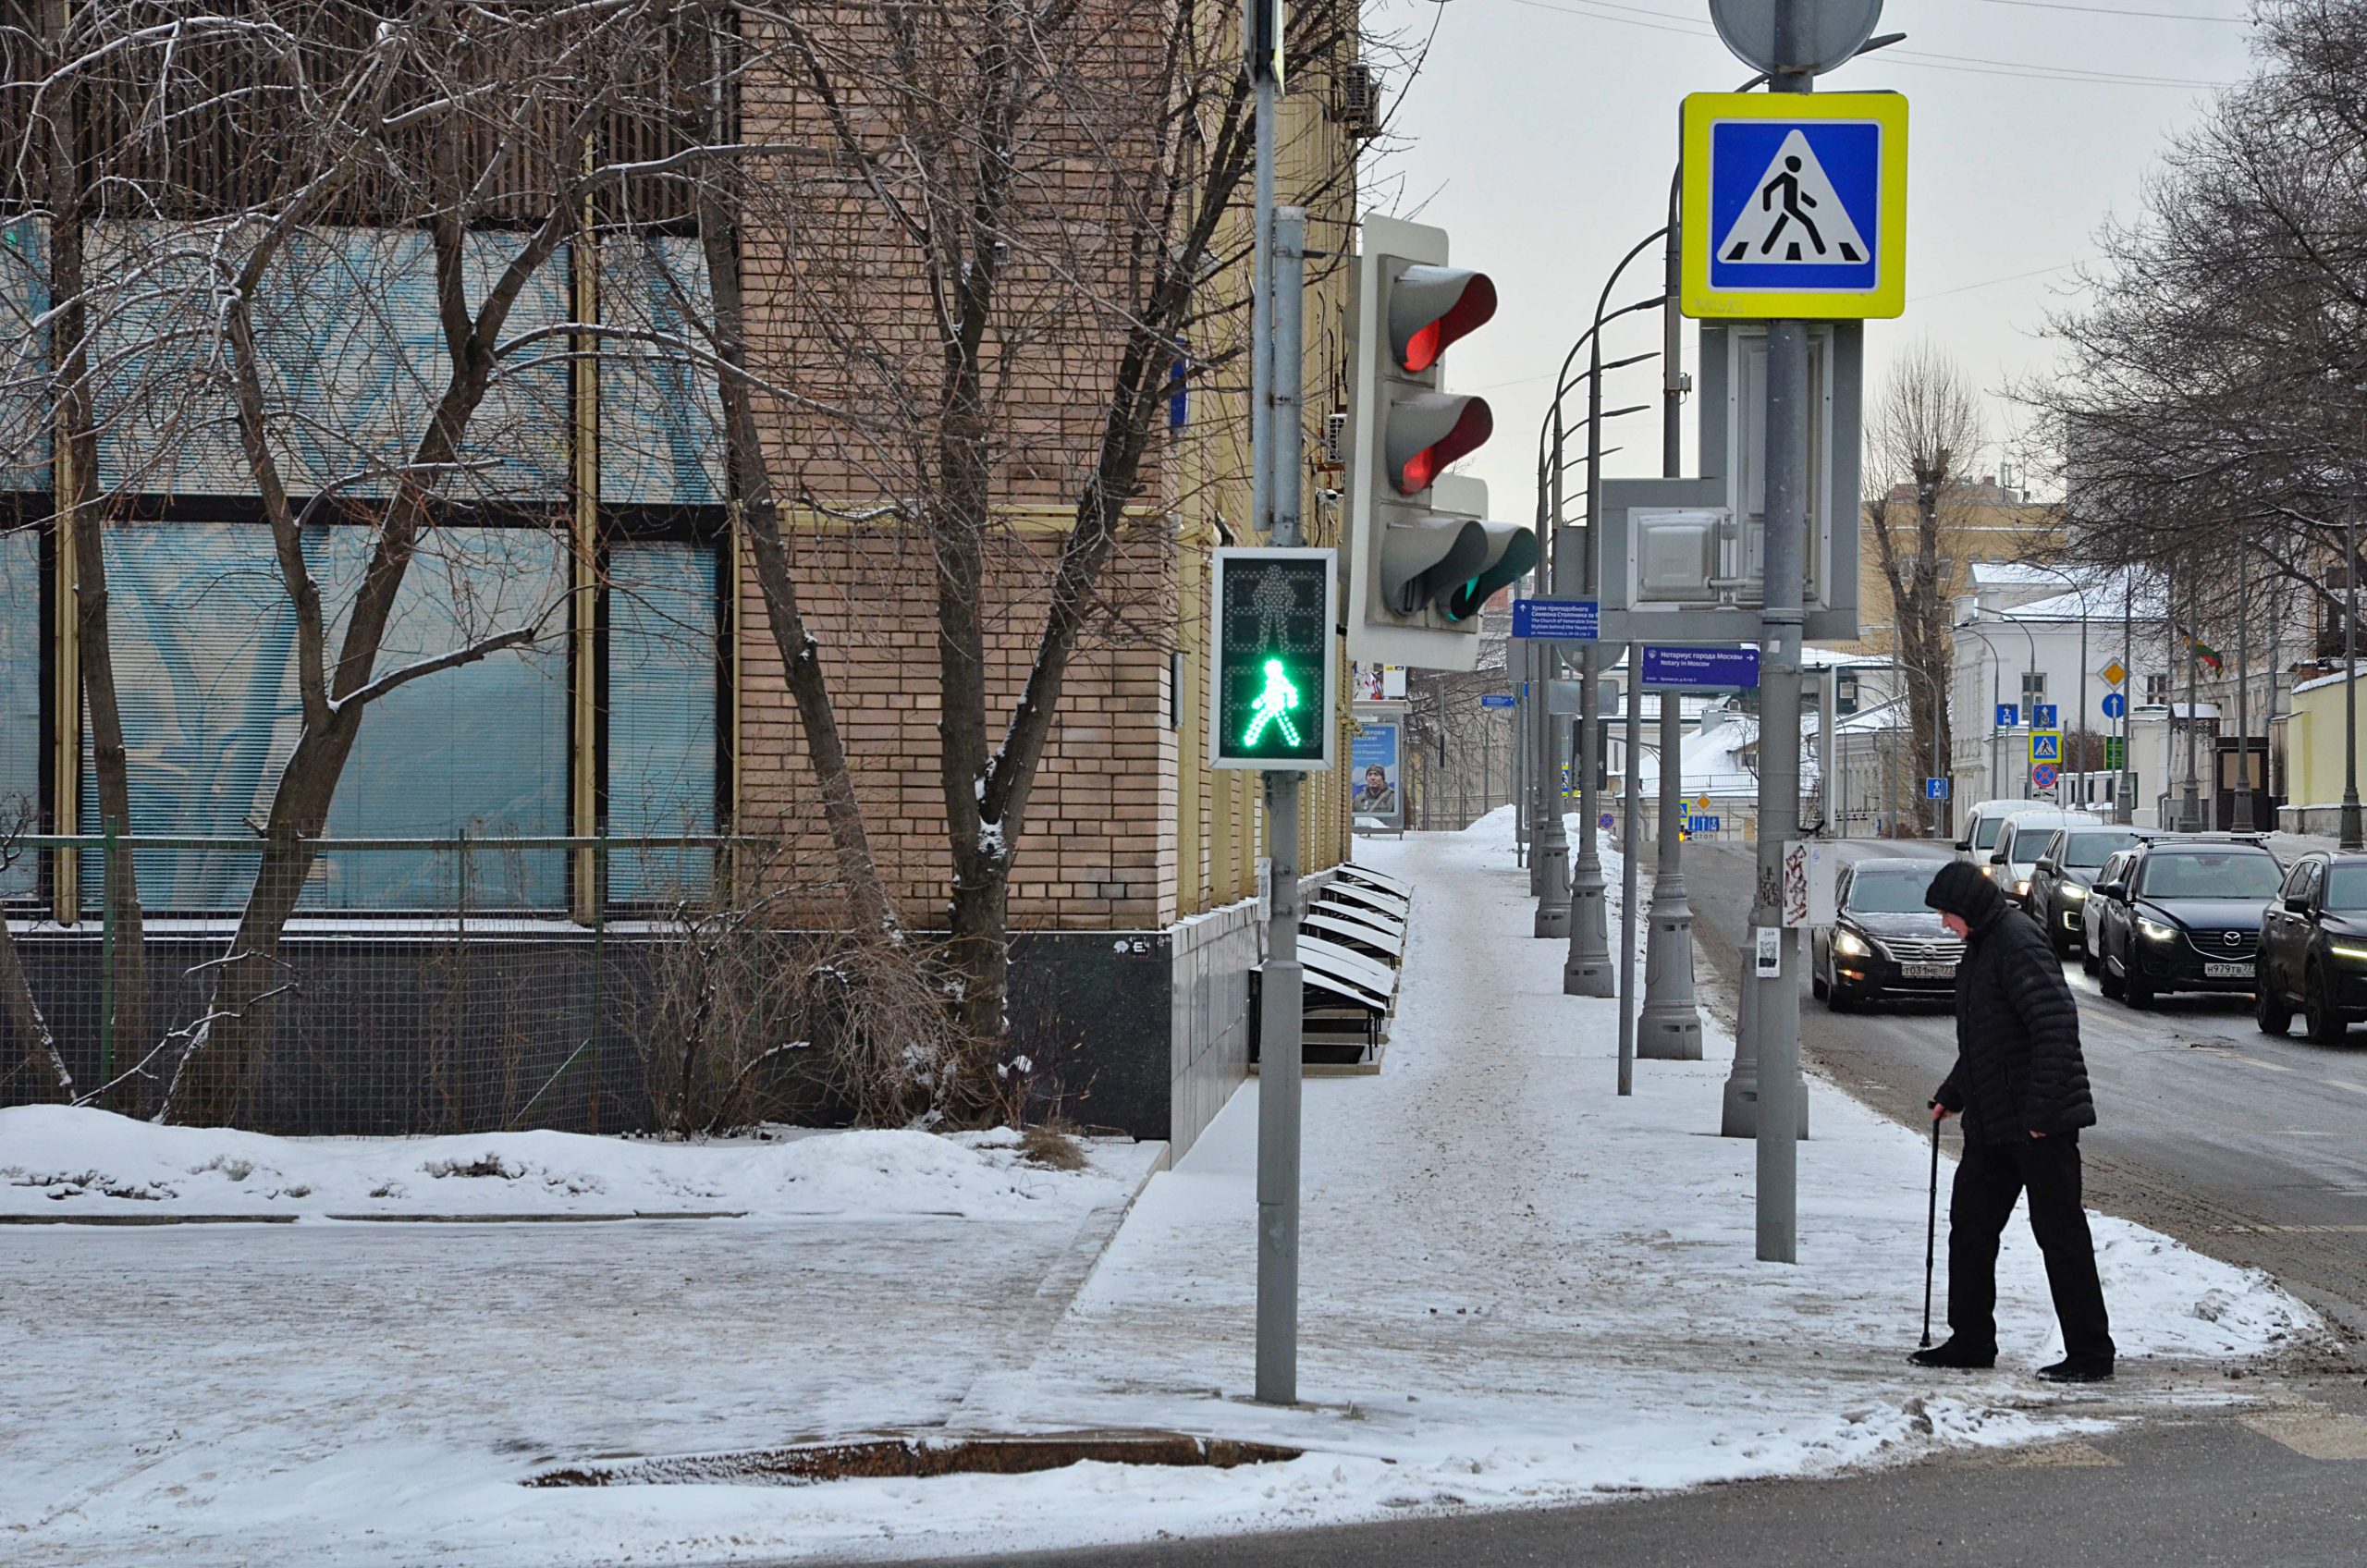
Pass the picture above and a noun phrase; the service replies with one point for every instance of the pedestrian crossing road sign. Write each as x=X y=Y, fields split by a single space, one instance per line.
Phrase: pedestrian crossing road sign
x=2045 y=746
x=1795 y=206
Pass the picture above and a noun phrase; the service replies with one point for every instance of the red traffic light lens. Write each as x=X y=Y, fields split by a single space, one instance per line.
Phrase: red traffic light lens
x=1432 y=307
x=1453 y=426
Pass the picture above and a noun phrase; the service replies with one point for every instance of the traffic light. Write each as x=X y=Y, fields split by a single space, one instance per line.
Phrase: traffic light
x=1274 y=675
x=1419 y=557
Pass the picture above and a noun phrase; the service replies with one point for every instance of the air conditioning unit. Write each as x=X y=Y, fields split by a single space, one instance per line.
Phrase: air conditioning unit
x=1335 y=439
x=1359 y=105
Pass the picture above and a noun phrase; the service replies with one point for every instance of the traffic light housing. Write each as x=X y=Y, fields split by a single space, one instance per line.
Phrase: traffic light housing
x=1273 y=675
x=1419 y=557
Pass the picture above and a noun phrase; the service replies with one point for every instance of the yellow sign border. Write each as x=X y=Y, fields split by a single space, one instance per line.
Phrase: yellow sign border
x=1888 y=297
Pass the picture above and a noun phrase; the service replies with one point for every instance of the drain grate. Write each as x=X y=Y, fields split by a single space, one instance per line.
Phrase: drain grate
x=801 y=1463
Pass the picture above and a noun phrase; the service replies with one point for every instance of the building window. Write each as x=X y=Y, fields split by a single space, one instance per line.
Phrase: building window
x=202 y=637
x=20 y=698
x=2158 y=690
x=663 y=676
x=2033 y=688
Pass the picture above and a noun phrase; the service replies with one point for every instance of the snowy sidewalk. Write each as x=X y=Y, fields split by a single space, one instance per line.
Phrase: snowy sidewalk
x=1517 y=1290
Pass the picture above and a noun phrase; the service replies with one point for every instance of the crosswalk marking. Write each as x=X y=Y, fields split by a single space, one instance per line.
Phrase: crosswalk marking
x=2312 y=1431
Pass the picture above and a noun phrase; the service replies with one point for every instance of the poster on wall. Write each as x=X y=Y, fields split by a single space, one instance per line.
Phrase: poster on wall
x=1374 y=757
x=1381 y=683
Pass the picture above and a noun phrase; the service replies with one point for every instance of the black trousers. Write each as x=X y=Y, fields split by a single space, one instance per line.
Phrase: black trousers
x=1990 y=1178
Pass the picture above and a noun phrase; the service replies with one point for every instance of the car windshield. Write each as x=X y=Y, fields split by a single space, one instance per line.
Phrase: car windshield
x=1889 y=893
x=1984 y=832
x=2201 y=874
x=2346 y=888
x=2089 y=850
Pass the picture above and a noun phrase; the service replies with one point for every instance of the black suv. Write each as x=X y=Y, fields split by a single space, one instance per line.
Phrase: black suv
x=2186 y=917
x=1884 y=940
x=2314 y=949
x=2065 y=871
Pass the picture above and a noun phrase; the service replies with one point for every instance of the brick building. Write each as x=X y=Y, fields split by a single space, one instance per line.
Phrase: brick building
x=653 y=699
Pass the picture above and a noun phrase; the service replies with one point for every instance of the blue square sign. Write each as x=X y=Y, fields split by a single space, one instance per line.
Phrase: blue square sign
x=2008 y=716
x=1794 y=206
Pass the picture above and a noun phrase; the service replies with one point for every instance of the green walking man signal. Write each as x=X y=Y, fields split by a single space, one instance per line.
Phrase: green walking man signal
x=1273 y=678
x=1273 y=706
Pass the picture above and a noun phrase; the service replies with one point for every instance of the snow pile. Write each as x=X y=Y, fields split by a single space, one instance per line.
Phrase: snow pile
x=56 y=1162
x=1519 y=1288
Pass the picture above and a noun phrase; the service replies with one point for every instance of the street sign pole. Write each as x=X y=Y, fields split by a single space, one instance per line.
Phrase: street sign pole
x=1781 y=615
x=1670 y=1026
x=1280 y=242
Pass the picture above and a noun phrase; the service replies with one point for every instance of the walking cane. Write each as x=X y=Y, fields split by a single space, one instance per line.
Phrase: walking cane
x=1930 y=1230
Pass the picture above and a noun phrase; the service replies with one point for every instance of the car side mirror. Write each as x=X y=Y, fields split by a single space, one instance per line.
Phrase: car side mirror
x=1997 y=859
x=1964 y=843
x=2296 y=903
x=2113 y=890
x=2046 y=864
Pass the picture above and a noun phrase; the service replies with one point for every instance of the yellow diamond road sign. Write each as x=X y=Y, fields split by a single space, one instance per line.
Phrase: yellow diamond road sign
x=2115 y=674
x=1795 y=206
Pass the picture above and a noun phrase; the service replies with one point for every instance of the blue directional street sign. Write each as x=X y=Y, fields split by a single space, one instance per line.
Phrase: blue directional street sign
x=2043 y=716
x=2115 y=704
x=1699 y=824
x=2046 y=747
x=1702 y=669
x=1935 y=789
x=1559 y=620
x=2008 y=716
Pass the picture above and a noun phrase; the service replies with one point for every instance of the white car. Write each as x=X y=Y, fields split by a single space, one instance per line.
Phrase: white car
x=1987 y=821
x=2021 y=839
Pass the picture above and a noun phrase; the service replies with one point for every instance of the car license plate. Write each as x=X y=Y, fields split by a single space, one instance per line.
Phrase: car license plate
x=1948 y=971
x=2226 y=972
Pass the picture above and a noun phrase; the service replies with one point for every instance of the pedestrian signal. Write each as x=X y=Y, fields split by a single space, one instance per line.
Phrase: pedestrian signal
x=1273 y=678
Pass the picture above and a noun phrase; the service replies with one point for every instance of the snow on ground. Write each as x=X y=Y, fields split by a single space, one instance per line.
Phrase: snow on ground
x=1519 y=1290
x=56 y=1163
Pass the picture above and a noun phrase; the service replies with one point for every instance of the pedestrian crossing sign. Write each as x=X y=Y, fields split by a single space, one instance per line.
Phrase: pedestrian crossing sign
x=2046 y=746
x=1795 y=206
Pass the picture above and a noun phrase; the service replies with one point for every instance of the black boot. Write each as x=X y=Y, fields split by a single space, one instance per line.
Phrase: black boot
x=2079 y=1369
x=1956 y=1354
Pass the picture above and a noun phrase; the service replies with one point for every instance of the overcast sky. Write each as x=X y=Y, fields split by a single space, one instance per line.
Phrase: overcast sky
x=1543 y=132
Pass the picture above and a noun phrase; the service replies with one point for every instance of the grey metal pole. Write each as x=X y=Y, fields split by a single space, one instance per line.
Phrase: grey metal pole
x=1631 y=806
x=1670 y=1026
x=2124 y=804
x=2190 y=799
x=1550 y=841
x=1586 y=971
x=2247 y=814
x=1280 y=1063
x=1780 y=618
x=2352 y=838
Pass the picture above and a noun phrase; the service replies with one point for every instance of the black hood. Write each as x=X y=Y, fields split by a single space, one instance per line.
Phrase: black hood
x=1961 y=889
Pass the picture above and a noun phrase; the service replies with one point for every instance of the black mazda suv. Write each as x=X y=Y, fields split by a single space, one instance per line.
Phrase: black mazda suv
x=2186 y=917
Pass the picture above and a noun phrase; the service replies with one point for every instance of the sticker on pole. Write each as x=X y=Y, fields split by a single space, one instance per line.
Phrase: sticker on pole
x=1795 y=204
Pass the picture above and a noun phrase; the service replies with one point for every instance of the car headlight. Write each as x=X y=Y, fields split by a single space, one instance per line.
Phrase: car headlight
x=2154 y=931
x=1849 y=944
x=2021 y=886
x=2073 y=891
x=2339 y=950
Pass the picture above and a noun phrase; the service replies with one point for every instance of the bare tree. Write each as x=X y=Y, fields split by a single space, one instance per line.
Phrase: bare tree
x=1923 y=438
x=2216 y=379
x=38 y=1063
x=998 y=224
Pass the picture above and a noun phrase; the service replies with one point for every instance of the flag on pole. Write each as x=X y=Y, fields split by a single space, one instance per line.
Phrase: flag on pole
x=2201 y=651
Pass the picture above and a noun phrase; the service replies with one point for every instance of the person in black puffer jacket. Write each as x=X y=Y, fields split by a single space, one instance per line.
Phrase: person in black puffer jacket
x=2021 y=1086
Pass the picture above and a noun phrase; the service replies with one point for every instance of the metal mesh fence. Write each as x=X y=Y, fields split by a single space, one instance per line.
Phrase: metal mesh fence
x=420 y=985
